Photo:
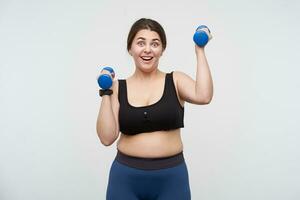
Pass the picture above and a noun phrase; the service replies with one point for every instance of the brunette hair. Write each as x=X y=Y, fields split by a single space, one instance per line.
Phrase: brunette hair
x=148 y=24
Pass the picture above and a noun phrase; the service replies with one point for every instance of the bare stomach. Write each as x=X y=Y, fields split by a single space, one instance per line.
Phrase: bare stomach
x=151 y=145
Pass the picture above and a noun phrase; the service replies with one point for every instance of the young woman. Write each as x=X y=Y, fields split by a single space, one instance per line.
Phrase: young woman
x=147 y=109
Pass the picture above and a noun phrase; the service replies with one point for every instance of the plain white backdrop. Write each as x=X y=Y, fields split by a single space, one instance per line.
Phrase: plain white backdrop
x=244 y=145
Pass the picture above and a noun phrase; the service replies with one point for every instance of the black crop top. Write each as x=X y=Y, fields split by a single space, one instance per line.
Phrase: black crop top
x=165 y=114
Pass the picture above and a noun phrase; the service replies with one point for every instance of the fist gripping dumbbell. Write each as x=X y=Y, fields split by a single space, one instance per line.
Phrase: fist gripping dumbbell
x=105 y=81
x=202 y=35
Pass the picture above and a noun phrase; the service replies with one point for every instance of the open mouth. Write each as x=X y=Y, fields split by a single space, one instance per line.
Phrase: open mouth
x=146 y=58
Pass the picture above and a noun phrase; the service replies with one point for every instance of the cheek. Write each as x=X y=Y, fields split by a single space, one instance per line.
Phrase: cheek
x=134 y=52
x=137 y=51
x=158 y=53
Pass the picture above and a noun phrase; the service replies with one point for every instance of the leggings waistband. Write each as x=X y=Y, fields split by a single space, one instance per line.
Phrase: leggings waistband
x=150 y=163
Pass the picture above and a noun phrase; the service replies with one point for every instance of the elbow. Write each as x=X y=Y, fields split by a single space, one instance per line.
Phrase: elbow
x=204 y=97
x=207 y=100
x=208 y=97
x=107 y=139
x=106 y=143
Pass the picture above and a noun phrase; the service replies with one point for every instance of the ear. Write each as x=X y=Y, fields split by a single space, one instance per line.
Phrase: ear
x=130 y=53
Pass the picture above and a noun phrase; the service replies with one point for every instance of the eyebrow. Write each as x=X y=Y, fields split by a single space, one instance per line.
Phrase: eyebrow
x=155 y=39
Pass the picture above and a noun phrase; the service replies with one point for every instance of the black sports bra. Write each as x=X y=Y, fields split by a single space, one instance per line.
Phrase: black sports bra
x=165 y=114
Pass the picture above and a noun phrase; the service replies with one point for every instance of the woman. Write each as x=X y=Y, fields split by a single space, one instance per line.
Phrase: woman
x=148 y=109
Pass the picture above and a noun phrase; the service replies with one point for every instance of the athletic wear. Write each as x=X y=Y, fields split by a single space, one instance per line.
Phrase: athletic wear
x=126 y=182
x=135 y=178
x=150 y=163
x=166 y=114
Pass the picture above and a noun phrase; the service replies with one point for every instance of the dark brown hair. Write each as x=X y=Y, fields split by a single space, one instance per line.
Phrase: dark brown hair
x=149 y=24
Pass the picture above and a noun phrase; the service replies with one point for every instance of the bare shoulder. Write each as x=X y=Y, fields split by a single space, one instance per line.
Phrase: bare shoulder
x=185 y=86
x=177 y=76
x=180 y=76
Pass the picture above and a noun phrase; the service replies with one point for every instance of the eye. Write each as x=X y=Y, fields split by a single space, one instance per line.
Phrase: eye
x=155 y=44
x=140 y=43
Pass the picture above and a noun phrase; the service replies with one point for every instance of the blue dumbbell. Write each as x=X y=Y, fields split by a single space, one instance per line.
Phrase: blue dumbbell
x=105 y=81
x=201 y=37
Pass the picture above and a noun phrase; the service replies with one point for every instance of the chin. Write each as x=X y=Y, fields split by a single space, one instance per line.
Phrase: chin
x=144 y=69
x=149 y=66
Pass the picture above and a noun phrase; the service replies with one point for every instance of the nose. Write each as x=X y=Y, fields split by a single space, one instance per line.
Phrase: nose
x=147 y=49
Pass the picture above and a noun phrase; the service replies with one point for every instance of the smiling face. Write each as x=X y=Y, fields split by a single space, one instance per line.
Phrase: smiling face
x=146 y=49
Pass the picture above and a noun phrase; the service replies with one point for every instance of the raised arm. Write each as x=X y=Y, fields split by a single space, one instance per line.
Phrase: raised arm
x=199 y=91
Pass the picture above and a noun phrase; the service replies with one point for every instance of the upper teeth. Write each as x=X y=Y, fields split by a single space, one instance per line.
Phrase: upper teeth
x=146 y=57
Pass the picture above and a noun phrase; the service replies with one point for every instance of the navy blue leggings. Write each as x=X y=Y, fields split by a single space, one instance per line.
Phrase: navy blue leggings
x=128 y=183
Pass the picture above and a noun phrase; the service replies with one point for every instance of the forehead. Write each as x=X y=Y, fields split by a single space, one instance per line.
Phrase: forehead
x=147 y=34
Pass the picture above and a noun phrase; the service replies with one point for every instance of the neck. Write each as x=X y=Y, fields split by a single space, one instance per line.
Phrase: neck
x=141 y=75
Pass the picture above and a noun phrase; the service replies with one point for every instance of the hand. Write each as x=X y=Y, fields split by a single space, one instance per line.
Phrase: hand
x=208 y=33
x=106 y=78
x=199 y=49
x=104 y=71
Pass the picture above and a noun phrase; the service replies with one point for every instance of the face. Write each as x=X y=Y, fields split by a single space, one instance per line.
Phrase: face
x=146 y=49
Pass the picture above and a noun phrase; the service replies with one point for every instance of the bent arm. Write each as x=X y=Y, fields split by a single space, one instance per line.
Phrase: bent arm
x=107 y=121
x=201 y=90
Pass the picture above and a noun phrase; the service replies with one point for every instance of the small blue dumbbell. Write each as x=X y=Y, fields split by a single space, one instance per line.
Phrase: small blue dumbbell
x=105 y=81
x=200 y=37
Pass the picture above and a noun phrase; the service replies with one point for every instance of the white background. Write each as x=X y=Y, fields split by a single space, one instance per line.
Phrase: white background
x=244 y=145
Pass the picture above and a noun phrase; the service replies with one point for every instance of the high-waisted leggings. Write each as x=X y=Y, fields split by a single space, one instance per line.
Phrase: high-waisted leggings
x=133 y=178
